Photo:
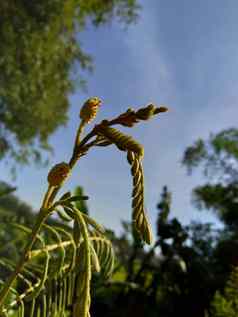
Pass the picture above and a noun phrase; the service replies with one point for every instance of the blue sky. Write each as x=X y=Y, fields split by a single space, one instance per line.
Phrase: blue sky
x=183 y=54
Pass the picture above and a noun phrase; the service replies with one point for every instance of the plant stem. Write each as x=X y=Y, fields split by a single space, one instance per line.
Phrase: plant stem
x=82 y=301
x=78 y=135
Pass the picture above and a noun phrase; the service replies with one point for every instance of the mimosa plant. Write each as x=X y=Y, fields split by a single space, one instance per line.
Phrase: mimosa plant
x=58 y=284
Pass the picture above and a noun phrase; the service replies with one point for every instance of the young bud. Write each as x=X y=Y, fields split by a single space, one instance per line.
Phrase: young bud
x=58 y=174
x=89 y=110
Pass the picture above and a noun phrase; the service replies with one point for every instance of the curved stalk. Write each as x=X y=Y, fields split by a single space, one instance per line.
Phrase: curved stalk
x=82 y=301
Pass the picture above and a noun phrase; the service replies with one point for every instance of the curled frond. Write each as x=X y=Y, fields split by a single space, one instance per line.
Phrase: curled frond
x=123 y=141
x=102 y=141
x=139 y=216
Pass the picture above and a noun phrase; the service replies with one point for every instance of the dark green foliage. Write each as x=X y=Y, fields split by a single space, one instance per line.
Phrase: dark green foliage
x=225 y=304
x=12 y=209
x=226 y=142
x=185 y=280
x=39 y=48
x=6 y=189
x=164 y=207
x=194 y=155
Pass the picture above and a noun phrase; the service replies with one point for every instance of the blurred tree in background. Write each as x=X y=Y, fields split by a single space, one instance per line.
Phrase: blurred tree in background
x=14 y=210
x=11 y=208
x=39 y=49
x=218 y=158
x=226 y=304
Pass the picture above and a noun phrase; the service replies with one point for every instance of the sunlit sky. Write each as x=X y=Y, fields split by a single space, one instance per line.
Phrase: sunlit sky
x=183 y=54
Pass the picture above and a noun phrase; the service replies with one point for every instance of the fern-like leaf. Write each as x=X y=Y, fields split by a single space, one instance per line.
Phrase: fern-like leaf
x=139 y=216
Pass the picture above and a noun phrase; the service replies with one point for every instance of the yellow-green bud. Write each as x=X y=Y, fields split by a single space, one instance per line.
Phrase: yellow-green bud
x=89 y=110
x=58 y=174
